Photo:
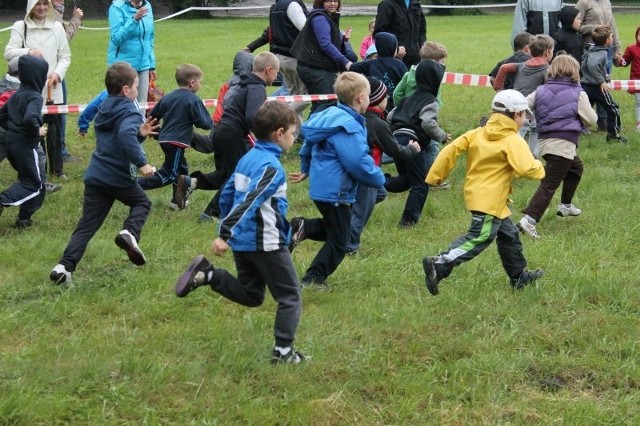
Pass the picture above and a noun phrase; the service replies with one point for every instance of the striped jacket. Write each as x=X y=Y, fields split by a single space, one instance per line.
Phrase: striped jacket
x=253 y=203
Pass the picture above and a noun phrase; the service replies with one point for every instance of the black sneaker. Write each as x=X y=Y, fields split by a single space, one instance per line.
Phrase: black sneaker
x=316 y=283
x=60 y=275
x=407 y=224
x=23 y=224
x=128 y=243
x=616 y=138
x=183 y=190
x=292 y=357
x=430 y=275
x=297 y=232
x=526 y=278
x=194 y=277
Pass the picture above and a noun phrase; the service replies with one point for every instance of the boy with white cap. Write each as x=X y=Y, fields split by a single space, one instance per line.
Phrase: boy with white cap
x=495 y=154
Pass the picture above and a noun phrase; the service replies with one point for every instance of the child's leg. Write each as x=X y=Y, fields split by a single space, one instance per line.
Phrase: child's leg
x=510 y=248
x=556 y=170
x=419 y=189
x=139 y=204
x=360 y=213
x=28 y=189
x=169 y=172
x=481 y=233
x=637 y=97
x=614 y=126
x=337 y=223
x=571 y=180
x=95 y=208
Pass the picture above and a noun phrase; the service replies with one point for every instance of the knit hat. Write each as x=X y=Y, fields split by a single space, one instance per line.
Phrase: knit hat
x=378 y=91
x=12 y=69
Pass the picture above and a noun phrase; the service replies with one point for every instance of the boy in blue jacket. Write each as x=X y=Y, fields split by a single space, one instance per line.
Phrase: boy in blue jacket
x=253 y=207
x=180 y=110
x=335 y=156
x=111 y=175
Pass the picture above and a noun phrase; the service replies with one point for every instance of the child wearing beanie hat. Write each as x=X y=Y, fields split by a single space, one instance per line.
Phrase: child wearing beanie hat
x=380 y=140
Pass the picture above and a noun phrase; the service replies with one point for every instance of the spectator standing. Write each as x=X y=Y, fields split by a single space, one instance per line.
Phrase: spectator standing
x=536 y=17
x=405 y=19
x=132 y=39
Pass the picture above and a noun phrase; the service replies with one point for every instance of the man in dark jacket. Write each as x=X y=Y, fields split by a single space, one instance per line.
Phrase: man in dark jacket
x=408 y=24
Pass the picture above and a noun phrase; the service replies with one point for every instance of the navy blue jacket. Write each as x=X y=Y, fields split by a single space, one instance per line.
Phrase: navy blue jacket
x=118 y=152
x=180 y=110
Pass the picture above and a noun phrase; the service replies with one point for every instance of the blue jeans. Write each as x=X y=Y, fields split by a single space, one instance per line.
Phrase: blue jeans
x=361 y=211
x=318 y=82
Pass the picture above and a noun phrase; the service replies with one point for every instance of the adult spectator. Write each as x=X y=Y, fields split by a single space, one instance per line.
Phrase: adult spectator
x=40 y=34
x=132 y=40
x=404 y=19
x=70 y=29
x=536 y=17
x=286 y=20
x=322 y=50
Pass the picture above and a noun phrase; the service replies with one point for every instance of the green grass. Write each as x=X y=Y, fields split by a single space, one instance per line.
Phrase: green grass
x=120 y=348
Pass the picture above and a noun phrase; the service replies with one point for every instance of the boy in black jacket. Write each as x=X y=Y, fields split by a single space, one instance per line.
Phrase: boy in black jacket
x=568 y=38
x=21 y=116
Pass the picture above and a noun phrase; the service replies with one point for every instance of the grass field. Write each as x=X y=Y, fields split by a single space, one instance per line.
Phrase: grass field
x=120 y=348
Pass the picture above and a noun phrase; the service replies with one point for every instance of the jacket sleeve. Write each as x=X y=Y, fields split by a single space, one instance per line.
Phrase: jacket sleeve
x=429 y=122
x=121 y=27
x=32 y=119
x=64 y=53
x=4 y=116
x=128 y=138
x=354 y=157
x=519 y=19
x=503 y=72
x=400 y=90
x=322 y=32
x=14 y=47
x=90 y=112
x=152 y=42
x=226 y=198
x=446 y=159
x=384 y=18
x=305 y=158
x=260 y=41
x=296 y=15
x=586 y=113
x=256 y=96
x=389 y=145
x=521 y=159
x=201 y=117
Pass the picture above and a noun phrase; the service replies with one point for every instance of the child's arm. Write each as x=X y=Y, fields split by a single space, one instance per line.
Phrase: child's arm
x=381 y=136
x=259 y=42
x=586 y=113
x=89 y=113
x=354 y=156
x=149 y=127
x=429 y=123
x=522 y=161
x=503 y=72
x=446 y=159
x=201 y=117
x=400 y=91
x=32 y=118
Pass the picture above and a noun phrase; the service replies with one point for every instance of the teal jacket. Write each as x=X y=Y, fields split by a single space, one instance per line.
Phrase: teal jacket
x=131 y=41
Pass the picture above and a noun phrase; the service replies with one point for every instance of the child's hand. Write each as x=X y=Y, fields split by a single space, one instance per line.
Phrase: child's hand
x=43 y=131
x=219 y=246
x=401 y=52
x=604 y=87
x=147 y=170
x=448 y=139
x=347 y=33
x=297 y=177
x=81 y=133
x=415 y=145
x=149 y=127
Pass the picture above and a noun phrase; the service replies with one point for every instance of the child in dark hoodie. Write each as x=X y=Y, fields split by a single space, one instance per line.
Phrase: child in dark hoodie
x=120 y=128
x=229 y=136
x=416 y=118
x=21 y=116
x=386 y=67
x=568 y=38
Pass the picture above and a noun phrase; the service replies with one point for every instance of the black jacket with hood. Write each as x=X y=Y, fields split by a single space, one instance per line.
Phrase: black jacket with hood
x=22 y=114
x=567 y=38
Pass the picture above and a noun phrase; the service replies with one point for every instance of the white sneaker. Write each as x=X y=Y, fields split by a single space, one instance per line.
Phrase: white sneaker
x=127 y=242
x=565 y=210
x=528 y=228
x=60 y=275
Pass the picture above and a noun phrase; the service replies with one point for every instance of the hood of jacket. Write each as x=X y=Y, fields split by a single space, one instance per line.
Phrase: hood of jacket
x=33 y=72
x=499 y=126
x=567 y=16
x=242 y=62
x=49 y=20
x=320 y=127
x=386 y=44
x=249 y=78
x=429 y=76
x=111 y=111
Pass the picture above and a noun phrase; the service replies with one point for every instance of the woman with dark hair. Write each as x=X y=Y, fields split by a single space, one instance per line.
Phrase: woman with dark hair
x=322 y=51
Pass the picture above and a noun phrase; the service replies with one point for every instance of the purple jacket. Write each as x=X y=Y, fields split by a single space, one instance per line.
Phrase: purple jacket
x=556 y=109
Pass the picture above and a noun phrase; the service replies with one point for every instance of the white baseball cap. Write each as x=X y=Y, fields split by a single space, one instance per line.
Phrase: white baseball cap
x=510 y=101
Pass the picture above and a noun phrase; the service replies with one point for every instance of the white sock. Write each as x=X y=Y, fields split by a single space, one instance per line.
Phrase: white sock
x=283 y=351
x=194 y=183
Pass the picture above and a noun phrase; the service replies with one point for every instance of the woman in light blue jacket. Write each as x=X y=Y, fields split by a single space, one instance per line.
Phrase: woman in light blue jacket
x=132 y=40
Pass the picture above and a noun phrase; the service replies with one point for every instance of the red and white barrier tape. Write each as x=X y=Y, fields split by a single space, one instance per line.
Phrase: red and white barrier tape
x=475 y=80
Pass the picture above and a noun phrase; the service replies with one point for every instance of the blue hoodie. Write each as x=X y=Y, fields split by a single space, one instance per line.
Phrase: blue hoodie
x=335 y=155
x=118 y=153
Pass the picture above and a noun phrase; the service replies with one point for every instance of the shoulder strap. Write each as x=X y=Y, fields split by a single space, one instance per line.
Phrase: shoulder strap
x=24 y=37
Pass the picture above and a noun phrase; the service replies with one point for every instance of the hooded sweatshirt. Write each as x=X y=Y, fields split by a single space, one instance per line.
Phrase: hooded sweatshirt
x=495 y=155
x=242 y=63
x=567 y=38
x=22 y=114
x=118 y=152
x=417 y=115
x=47 y=36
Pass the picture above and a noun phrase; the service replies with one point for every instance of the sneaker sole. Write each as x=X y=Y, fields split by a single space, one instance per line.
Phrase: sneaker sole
x=182 y=287
x=181 y=199
x=431 y=285
x=566 y=215
x=58 y=278
x=134 y=254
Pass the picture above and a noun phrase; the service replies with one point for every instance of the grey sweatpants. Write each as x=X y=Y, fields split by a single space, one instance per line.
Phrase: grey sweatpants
x=256 y=271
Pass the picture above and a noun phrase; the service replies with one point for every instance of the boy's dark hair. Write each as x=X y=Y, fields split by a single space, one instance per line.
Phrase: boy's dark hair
x=521 y=41
x=187 y=72
x=119 y=75
x=600 y=34
x=539 y=44
x=272 y=116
